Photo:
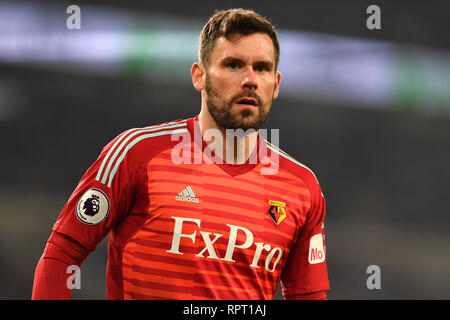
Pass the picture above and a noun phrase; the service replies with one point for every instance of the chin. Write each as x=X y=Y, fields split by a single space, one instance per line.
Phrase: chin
x=246 y=125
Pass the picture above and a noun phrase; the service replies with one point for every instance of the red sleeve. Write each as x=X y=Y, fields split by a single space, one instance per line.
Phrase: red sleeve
x=102 y=197
x=50 y=279
x=305 y=271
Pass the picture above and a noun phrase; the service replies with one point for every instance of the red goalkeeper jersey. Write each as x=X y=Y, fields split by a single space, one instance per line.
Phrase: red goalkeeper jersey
x=182 y=226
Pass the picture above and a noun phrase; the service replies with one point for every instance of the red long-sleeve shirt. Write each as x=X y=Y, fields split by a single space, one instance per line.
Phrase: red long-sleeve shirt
x=182 y=226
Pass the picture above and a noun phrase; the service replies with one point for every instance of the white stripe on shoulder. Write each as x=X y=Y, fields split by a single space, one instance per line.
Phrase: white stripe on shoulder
x=124 y=139
x=136 y=140
x=286 y=156
x=105 y=159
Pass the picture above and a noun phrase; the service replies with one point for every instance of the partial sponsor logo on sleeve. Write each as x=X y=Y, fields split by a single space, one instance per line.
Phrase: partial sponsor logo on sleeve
x=316 y=249
x=93 y=207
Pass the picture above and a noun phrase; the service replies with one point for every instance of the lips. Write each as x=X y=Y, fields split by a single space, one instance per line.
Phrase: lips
x=247 y=101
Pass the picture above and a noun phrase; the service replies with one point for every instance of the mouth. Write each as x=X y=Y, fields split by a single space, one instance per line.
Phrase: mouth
x=247 y=101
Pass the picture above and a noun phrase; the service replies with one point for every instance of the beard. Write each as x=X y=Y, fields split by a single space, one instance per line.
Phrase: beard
x=244 y=119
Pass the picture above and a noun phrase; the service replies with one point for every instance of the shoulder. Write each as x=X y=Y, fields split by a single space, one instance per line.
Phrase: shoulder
x=295 y=168
x=142 y=138
x=134 y=147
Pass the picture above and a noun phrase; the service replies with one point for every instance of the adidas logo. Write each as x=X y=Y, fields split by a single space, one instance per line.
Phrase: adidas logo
x=187 y=195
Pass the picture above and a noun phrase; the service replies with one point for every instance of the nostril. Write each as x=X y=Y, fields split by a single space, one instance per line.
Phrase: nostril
x=250 y=85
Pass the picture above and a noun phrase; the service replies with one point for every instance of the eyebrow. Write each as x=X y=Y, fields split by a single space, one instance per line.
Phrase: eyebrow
x=267 y=63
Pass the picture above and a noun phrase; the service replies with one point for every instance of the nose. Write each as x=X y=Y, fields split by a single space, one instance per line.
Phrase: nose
x=250 y=81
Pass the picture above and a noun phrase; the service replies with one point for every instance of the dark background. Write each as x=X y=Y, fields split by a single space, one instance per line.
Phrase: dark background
x=384 y=171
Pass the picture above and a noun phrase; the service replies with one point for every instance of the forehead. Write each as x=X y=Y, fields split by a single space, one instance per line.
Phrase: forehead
x=256 y=46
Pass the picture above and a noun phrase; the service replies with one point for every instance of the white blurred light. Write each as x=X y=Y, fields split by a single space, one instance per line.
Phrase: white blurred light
x=319 y=67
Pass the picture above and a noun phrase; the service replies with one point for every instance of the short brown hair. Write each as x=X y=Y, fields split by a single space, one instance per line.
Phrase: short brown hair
x=230 y=22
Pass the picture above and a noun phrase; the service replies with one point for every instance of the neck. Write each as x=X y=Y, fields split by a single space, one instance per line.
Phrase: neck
x=233 y=149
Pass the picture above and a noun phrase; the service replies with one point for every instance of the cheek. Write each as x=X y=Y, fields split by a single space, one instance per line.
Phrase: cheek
x=223 y=90
x=275 y=93
x=223 y=79
x=223 y=85
x=270 y=90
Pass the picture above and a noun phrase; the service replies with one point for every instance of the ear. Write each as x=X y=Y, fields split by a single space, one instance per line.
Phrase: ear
x=276 y=89
x=198 y=76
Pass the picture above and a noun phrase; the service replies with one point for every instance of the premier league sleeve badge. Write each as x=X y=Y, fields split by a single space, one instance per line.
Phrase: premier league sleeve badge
x=93 y=207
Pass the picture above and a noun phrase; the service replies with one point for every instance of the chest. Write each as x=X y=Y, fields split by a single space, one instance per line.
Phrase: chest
x=202 y=211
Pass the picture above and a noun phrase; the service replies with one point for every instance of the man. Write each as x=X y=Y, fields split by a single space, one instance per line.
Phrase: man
x=192 y=213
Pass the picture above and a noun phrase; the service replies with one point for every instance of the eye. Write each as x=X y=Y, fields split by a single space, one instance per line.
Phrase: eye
x=232 y=65
x=261 y=68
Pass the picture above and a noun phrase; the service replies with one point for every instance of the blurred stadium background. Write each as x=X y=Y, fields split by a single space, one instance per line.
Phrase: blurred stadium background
x=367 y=110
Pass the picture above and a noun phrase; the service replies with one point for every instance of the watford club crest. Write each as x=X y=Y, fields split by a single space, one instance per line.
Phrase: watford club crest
x=277 y=211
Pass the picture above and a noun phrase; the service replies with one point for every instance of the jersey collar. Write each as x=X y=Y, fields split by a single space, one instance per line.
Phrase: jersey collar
x=231 y=169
